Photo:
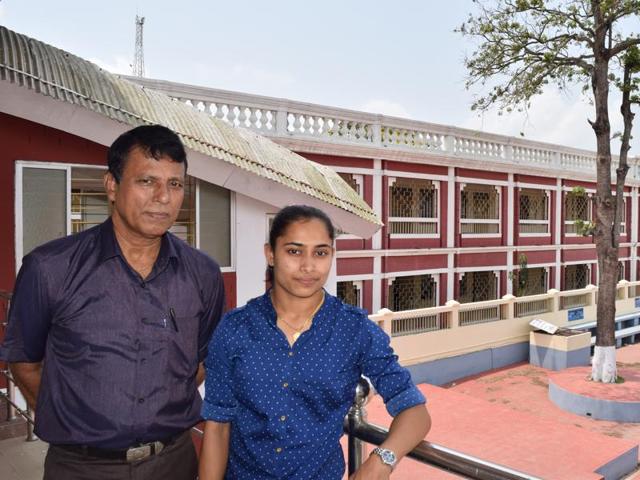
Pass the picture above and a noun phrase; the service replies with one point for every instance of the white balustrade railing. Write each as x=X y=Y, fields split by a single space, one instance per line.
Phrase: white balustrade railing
x=533 y=305
x=289 y=119
x=479 y=226
x=575 y=298
x=480 y=312
x=454 y=315
x=412 y=226
x=528 y=227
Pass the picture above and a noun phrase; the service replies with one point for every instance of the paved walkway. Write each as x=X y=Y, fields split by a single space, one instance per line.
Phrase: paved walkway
x=503 y=416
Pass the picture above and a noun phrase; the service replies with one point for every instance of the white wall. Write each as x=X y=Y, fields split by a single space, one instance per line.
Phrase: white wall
x=251 y=233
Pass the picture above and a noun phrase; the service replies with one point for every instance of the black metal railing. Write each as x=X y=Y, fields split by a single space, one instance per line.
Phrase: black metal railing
x=360 y=432
x=13 y=409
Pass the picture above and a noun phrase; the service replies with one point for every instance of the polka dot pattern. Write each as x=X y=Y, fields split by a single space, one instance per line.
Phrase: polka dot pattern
x=286 y=404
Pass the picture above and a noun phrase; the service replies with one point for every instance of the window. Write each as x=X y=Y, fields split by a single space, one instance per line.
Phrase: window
x=623 y=220
x=478 y=287
x=530 y=281
x=479 y=210
x=89 y=202
x=411 y=292
x=350 y=293
x=534 y=211
x=50 y=206
x=413 y=207
x=621 y=271
x=576 y=276
x=185 y=225
x=576 y=207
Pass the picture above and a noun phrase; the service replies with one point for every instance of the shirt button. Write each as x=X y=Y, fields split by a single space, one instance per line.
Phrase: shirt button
x=278 y=450
x=285 y=384
x=141 y=400
x=291 y=354
x=283 y=418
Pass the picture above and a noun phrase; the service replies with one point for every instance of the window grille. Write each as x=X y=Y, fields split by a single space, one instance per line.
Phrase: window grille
x=409 y=293
x=532 y=281
x=89 y=203
x=534 y=211
x=576 y=207
x=479 y=210
x=413 y=208
x=478 y=287
x=576 y=276
x=349 y=292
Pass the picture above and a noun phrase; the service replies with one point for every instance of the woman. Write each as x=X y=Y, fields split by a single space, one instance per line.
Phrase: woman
x=282 y=371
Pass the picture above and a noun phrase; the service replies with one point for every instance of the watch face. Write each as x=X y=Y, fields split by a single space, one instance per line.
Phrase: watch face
x=388 y=457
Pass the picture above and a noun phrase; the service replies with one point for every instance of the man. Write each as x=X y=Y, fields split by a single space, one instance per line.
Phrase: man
x=108 y=328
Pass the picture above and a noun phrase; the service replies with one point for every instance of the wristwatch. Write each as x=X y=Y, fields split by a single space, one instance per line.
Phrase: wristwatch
x=387 y=456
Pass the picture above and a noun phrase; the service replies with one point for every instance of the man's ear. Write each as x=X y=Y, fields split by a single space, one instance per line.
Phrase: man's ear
x=110 y=186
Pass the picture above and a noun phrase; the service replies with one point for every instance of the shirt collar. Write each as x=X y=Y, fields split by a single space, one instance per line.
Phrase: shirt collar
x=326 y=306
x=109 y=247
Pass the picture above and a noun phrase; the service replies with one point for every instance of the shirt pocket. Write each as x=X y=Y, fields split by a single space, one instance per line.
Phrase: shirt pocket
x=182 y=335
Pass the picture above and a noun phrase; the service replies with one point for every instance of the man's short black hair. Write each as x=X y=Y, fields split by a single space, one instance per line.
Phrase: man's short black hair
x=155 y=140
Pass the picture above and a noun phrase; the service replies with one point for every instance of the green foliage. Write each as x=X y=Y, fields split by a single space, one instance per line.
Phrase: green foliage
x=578 y=191
x=584 y=227
x=525 y=45
x=520 y=276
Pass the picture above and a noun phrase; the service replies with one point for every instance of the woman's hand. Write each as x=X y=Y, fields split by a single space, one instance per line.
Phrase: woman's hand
x=372 y=469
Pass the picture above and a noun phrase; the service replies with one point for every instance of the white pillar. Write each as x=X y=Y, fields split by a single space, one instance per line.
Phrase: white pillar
x=510 y=210
x=376 y=292
x=450 y=276
x=451 y=207
x=559 y=226
x=633 y=227
x=510 y=229
x=376 y=241
x=377 y=200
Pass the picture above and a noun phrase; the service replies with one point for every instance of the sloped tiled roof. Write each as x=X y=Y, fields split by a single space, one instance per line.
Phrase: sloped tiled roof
x=56 y=73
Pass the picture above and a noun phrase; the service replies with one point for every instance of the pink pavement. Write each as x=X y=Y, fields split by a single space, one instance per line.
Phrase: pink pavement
x=574 y=380
x=504 y=416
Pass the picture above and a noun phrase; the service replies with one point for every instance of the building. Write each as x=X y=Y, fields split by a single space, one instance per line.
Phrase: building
x=467 y=215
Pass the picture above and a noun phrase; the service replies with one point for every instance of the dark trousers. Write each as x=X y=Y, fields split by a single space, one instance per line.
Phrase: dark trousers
x=177 y=461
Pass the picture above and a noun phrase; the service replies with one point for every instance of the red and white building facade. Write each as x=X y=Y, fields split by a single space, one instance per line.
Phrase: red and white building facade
x=465 y=212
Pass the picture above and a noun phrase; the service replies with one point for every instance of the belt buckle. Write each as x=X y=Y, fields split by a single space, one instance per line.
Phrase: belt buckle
x=138 y=453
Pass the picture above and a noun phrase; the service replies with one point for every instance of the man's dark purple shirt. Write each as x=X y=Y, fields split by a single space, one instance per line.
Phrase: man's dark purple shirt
x=120 y=353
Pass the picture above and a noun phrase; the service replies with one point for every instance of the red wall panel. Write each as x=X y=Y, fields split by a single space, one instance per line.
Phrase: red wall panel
x=24 y=140
x=577 y=255
x=417 y=262
x=481 y=260
x=354 y=266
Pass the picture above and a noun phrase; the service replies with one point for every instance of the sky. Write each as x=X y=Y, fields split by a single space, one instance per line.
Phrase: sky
x=398 y=58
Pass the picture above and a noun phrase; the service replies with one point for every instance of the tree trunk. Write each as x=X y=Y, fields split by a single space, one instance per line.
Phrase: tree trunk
x=604 y=364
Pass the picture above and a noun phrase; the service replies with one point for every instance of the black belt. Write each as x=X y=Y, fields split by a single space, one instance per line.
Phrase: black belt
x=131 y=454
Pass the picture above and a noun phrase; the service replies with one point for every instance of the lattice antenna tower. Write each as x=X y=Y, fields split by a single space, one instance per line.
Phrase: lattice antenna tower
x=138 y=62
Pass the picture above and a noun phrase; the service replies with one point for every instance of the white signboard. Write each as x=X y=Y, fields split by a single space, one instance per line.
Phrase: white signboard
x=544 y=326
